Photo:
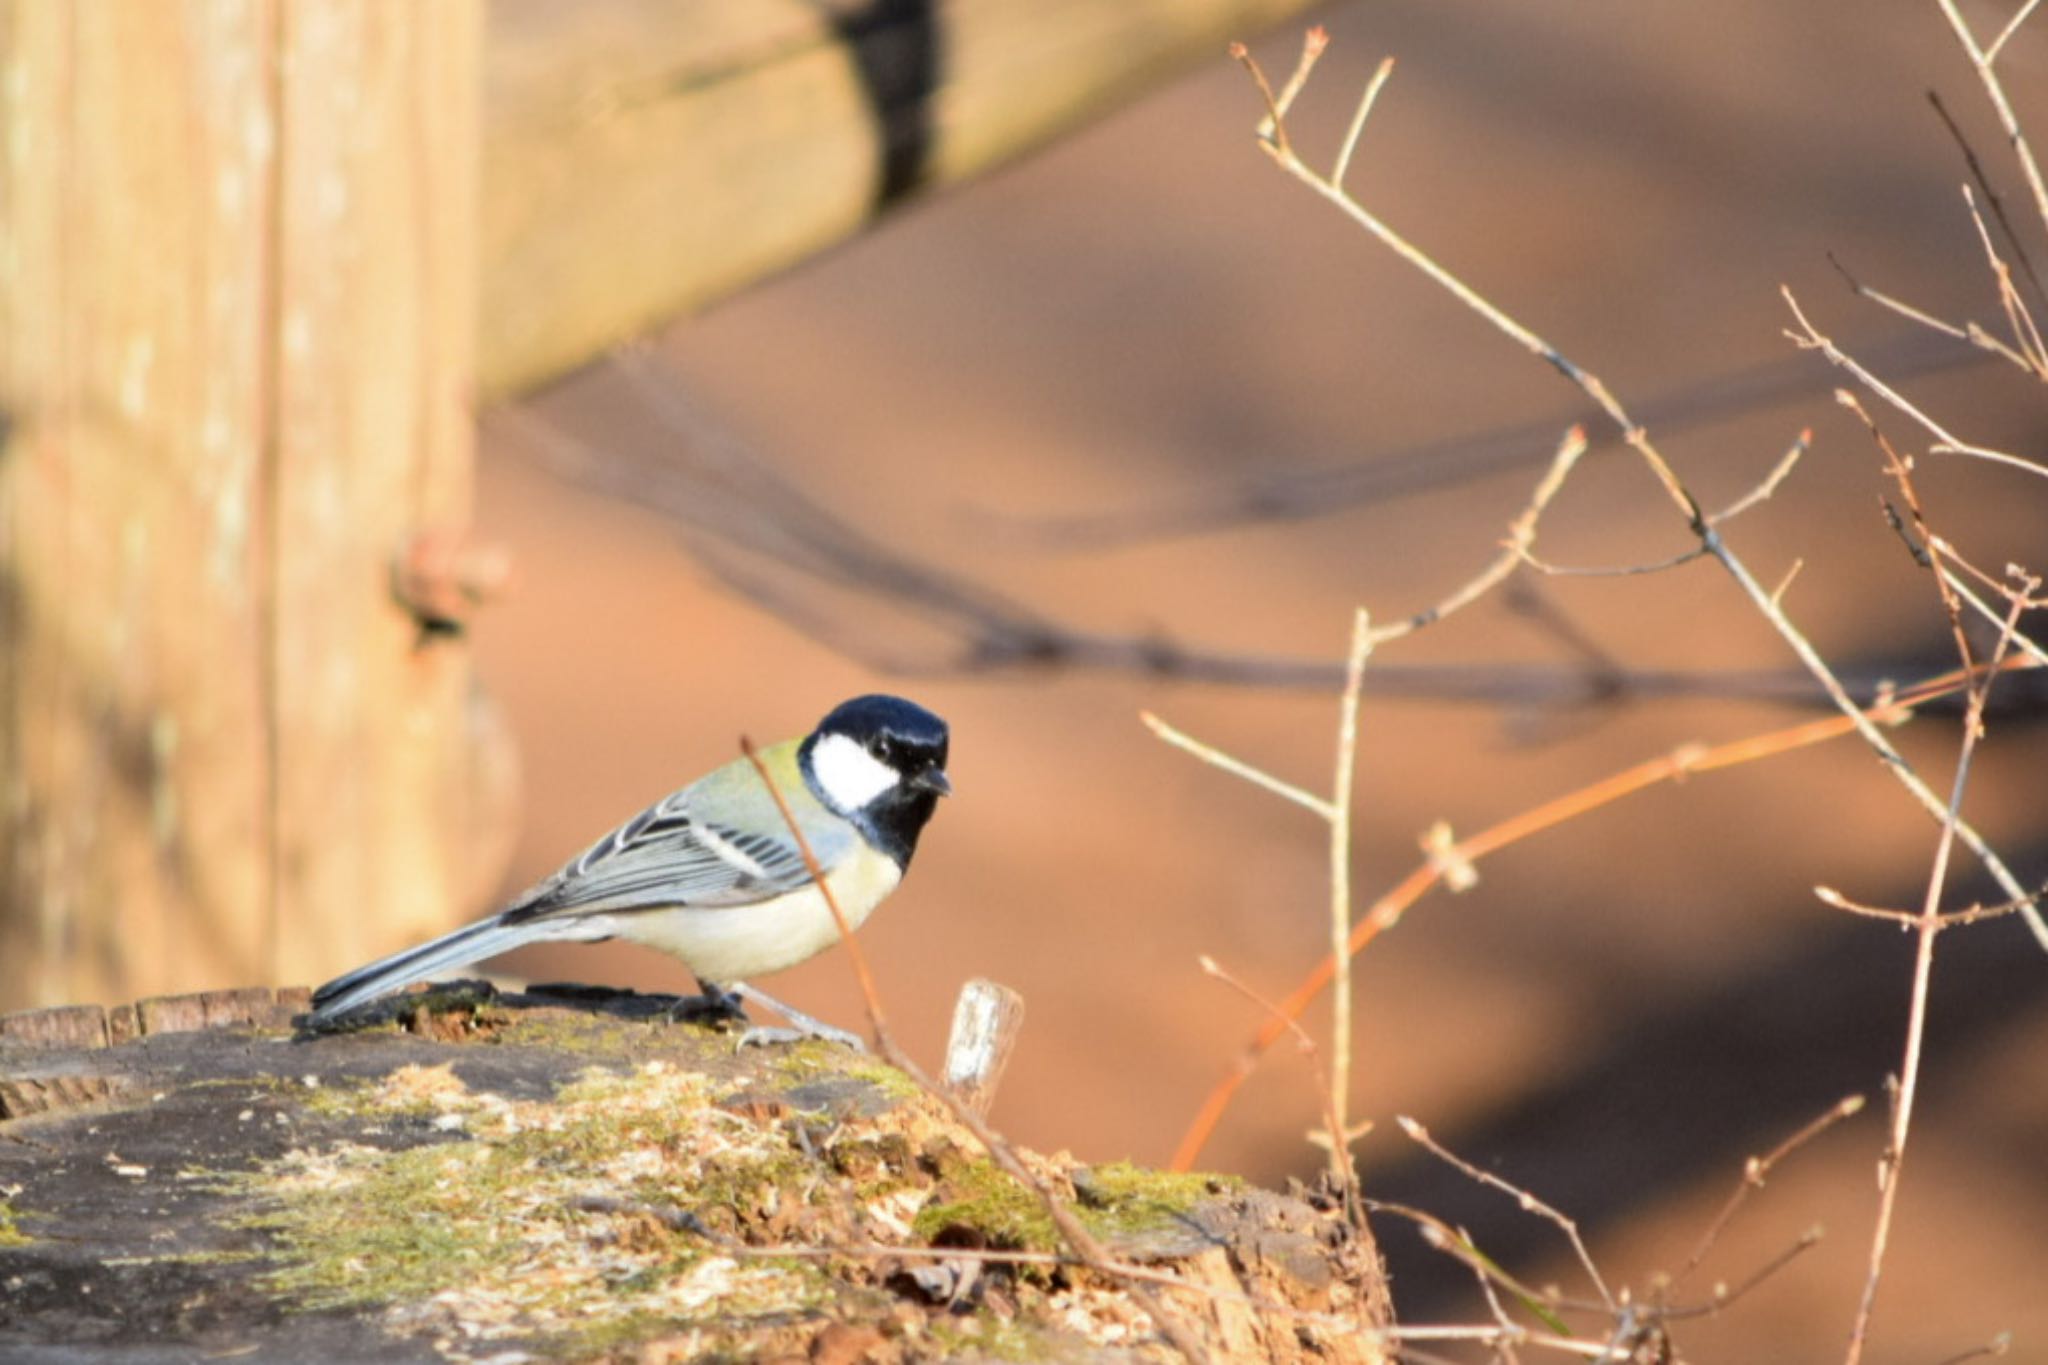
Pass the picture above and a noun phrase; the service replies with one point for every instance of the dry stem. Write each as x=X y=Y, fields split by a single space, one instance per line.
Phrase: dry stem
x=1639 y=440
x=1755 y=1170
x=1529 y=1202
x=1446 y=857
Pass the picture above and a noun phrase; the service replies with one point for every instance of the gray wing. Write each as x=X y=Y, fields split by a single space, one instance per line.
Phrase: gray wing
x=666 y=856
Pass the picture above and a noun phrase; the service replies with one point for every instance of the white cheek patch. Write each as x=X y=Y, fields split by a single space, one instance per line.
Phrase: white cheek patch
x=850 y=775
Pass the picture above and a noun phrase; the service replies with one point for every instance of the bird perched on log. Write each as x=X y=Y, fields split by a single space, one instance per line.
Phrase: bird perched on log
x=711 y=873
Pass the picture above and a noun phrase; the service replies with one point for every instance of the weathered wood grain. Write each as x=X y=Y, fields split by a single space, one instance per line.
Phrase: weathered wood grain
x=237 y=292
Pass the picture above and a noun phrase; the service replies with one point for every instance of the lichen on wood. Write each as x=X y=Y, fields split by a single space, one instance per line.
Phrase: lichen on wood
x=580 y=1179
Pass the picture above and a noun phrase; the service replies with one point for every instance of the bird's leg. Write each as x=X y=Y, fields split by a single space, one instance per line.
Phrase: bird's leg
x=805 y=1026
x=714 y=1004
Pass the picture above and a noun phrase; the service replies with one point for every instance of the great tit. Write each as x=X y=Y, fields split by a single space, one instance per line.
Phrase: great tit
x=710 y=873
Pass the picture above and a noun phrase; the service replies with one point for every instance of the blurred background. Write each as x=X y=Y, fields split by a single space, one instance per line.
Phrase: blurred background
x=1074 y=384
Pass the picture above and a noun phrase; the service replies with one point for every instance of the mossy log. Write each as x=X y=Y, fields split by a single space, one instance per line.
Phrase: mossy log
x=570 y=1175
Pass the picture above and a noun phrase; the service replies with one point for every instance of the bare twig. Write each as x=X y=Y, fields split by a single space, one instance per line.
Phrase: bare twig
x=1237 y=767
x=1365 y=104
x=1929 y=931
x=1997 y=1346
x=1454 y=1243
x=1639 y=440
x=1725 y=1295
x=1342 y=1168
x=1991 y=195
x=2017 y=316
x=1335 y=812
x=1340 y=878
x=1810 y=337
x=1768 y=485
x=1762 y=492
x=1756 y=1170
x=1447 y=857
x=1951 y=919
x=1528 y=1202
x=1514 y=550
x=2011 y=27
x=1981 y=59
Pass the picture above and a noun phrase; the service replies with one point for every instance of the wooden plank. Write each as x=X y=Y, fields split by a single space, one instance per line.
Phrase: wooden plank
x=134 y=223
x=643 y=159
x=236 y=327
x=390 y=816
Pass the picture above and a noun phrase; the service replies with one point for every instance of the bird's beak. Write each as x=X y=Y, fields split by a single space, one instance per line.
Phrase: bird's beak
x=933 y=780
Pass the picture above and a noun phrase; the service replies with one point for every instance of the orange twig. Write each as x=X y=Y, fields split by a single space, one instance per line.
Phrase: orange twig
x=1388 y=909
x=869 y=995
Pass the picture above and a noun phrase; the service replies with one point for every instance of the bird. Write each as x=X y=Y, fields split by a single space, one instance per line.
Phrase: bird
x=711 y=874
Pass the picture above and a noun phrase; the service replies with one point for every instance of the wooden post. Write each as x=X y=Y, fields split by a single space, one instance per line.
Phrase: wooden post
x=236 y=336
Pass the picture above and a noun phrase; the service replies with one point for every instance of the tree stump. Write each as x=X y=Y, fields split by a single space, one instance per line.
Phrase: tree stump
x=474 y=1176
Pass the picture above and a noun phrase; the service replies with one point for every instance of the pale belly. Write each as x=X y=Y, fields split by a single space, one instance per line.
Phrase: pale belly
x=736 y=943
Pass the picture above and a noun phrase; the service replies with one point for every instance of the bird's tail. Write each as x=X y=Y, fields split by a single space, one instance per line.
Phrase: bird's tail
x=471 y=943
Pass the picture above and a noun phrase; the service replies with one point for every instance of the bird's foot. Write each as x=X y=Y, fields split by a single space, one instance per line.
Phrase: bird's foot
x=802 y=1025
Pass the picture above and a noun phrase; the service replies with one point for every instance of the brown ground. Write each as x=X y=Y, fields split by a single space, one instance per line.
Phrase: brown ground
x=1621 y=1011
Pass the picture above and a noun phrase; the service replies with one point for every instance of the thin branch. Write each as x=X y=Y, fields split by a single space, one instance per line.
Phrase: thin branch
x=1342 y=1168
x=2012 y=26
x=1996 y=91
x=1258 y=777
x=2017 y=317
x=1365 y=103
x=1754 y=1172
x=1762 y=492
x=1923 y=972
x=1638 y=439
x=1995 y=1347
x=1515 y=549
x=1340 y=876
x=1937 y=556
x=1810 y=338
x=1446 y=858
x=1950 y=919
x=1766 y=488
x=1990 y=193
x=1528 y=1202
x=1454 y=1243
x=1725 y=1295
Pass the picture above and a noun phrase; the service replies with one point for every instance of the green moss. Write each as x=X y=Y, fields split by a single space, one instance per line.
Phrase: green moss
x=567 y=1182
x=814 y=1058
x=10 y=1235
x=993 y=1338
x=1120 y=1196
x=1115 y=1198
x=189 y=1258
x=986 y=1199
